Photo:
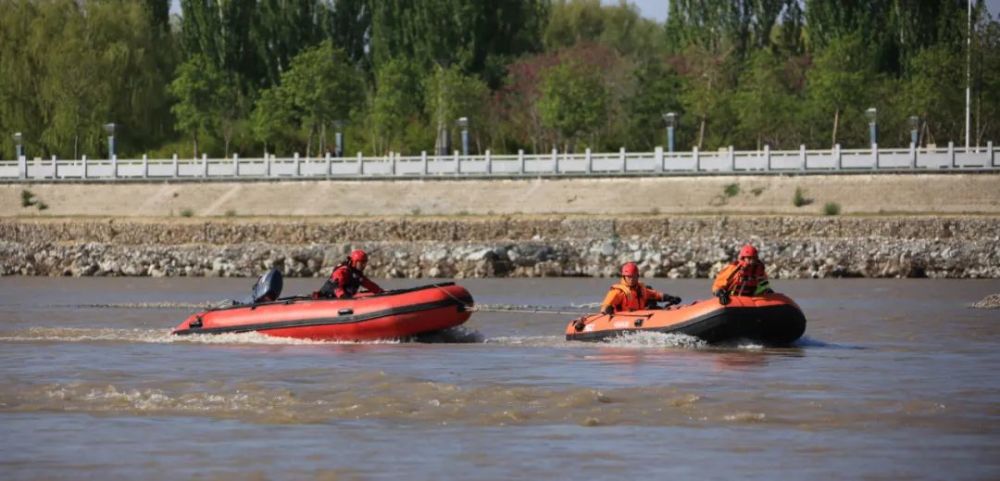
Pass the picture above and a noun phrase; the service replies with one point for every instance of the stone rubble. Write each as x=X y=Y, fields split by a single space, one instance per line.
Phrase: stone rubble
x=686 y=247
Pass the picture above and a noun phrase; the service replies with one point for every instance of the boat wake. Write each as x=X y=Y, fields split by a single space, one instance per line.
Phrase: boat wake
x=156 y=336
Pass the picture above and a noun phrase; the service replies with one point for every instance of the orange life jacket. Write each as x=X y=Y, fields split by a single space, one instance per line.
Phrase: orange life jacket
x=740 y=281
x=629 y=299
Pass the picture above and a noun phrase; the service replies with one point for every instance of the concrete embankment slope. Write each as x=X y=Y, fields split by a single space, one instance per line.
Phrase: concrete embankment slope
x=526 y=246
x=974 y=193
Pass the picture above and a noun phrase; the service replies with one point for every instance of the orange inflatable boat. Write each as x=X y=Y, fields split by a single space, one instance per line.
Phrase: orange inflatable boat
x=773 y=319
x=389 y=315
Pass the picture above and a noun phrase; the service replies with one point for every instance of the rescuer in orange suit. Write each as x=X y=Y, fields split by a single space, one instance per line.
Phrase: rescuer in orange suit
x=632 y=295
x=743 y=277
x=347 y=278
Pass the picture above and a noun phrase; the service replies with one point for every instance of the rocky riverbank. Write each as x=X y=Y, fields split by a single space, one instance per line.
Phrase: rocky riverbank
x=678 y=247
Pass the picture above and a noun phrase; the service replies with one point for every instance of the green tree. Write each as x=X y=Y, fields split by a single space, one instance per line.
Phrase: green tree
x=658 y=91
x=319 y=87
x=75 y=95
x=764 y=104
x=205 y=97
x=574 y=102
x=272 y=118
x=397 y=103
x=449 y=95
x=706 y=94
x=473 y=35
x=841 y=85
x=931 y=92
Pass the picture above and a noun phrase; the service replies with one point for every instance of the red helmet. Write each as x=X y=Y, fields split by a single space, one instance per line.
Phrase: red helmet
x=630 y=269
x=359 y=256
x=748 y=251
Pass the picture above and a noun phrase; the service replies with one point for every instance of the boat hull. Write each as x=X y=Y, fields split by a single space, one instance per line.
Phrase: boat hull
x=391 y=315
x=772 y=319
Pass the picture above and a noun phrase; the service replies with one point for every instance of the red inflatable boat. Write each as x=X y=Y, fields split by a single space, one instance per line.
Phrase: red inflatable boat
x=773 y=319
x=390 y=315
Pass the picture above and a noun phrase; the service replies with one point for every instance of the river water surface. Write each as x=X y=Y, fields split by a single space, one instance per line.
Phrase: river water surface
x=894 y=379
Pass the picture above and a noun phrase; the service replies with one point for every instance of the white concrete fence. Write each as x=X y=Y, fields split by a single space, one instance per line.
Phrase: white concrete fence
x=554 y=164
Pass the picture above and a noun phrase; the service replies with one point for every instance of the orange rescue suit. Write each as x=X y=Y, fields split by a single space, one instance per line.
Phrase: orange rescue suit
x=738 y=280
x=621 y=297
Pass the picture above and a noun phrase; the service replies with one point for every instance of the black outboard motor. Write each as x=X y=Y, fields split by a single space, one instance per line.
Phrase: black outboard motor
x=267 y=288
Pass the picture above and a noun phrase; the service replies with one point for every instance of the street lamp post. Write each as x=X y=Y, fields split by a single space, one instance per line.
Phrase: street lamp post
x=338 y=150
x=915 y=130
x=463 y=123
x=18 y=148
x=110 y=129
x=872 y=115
x=671 y=120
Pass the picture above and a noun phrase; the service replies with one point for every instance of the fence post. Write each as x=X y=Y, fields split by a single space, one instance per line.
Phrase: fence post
x=989 y=151
x=145 y=166
x=423 y=160
x=697 y=159
x=875 y=155
x=913 y=156
x=767 y=156
x=204 y=165
x=555 y=161
x=22 y=167
x=489 y=162
x=177 y=168
x=458 y=162
x=590 y=161
x=520 y=160
x=658 y=153
x=392 y=162
x=298 y=165
x=839 y=157
x=732 y=159
x=951 y=153
x=84 y=158
x=621 y=155
x=803 y=162
x=55 y=167
x=329 y=165
x=361 y=164
x=114 y=166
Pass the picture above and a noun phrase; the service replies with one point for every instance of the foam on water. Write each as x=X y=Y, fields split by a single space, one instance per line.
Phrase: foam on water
x=158 y=336
x=655 y=340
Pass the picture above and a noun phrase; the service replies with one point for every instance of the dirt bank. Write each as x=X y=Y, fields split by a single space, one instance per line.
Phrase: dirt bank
x=855 y=194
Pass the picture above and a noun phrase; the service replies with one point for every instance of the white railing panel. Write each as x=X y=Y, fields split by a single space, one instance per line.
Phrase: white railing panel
x=538 y=164
x=971 y=159
x=606 y=163
x=933 y=159
x=855 y=159
x=678 y=162
x=640 y=164
x=894 y=159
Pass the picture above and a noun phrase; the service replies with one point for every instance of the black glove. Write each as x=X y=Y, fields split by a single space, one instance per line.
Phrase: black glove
x=608 y=310
x=723 y=296
x=671 y=300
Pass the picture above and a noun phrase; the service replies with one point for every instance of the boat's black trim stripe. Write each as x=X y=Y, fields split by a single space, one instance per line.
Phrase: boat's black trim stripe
x=323 y=321
x=294 y=299
x=692 y=327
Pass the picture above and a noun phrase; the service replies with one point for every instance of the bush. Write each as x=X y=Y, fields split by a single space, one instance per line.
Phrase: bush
x=27 y=198
x=757 y=191
x=831 y=208
x=731 y=190
x=230 y=213
x=187 y=213
x=799 y=199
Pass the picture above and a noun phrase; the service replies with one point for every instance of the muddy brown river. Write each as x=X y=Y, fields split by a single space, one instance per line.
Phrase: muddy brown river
x=894 y=379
